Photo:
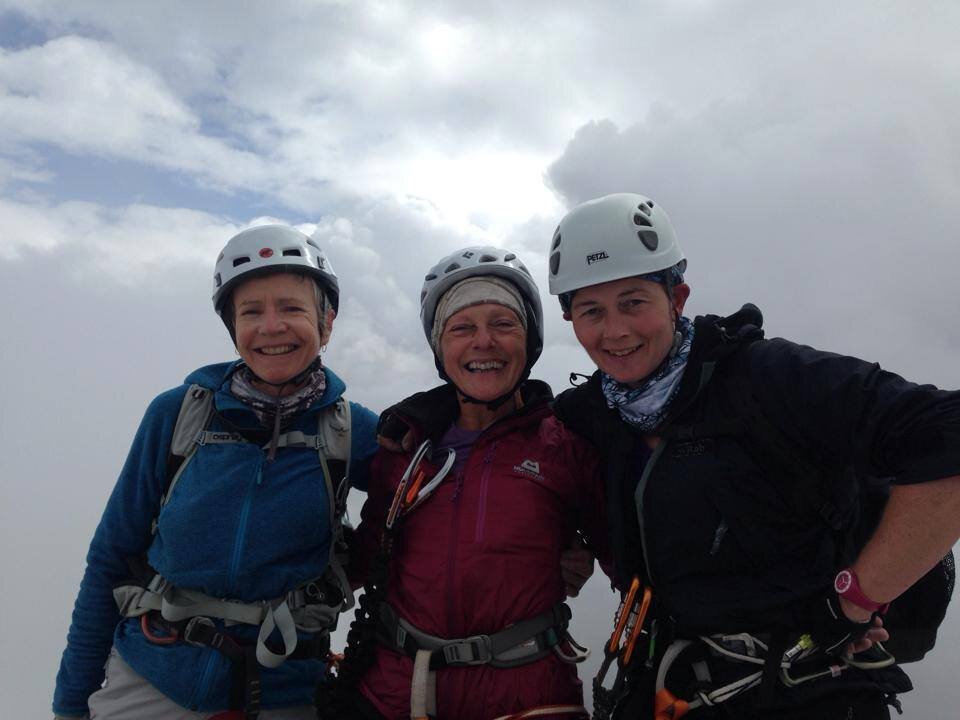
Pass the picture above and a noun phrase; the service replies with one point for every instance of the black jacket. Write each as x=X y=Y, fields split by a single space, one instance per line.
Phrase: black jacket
x=744 y=511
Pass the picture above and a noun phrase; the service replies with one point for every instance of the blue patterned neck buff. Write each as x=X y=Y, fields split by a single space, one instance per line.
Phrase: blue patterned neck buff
x=645 y=406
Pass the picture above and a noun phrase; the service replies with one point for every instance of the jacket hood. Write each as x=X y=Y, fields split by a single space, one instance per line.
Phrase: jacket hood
x=428 y=414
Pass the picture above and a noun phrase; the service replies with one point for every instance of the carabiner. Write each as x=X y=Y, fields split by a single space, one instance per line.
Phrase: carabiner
x=408 y=495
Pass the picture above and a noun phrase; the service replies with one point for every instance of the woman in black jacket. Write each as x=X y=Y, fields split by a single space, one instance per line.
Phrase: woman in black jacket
x=742 y=481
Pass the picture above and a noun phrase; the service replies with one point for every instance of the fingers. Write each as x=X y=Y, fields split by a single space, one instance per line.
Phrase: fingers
x=388 y=444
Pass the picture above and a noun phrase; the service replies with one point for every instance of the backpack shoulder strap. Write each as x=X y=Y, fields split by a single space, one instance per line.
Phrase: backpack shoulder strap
x=334 y=444
x=196 y=410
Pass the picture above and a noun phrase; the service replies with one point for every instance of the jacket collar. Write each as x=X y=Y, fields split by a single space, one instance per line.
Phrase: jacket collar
x=430 y=413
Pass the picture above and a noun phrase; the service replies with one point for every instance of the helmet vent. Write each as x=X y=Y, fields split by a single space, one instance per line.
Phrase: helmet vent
x=430 y=277
x=509 y=257
x=292 y=251
x=451 y=267
x=216 y=280
x=488 y=258
x=240 y=261
x=649 y=239
x=555 y=262
x=524 y=268
x=219 y=258
x=645 y=208
x=556 y=240
x=312 y=244
x=639 y=219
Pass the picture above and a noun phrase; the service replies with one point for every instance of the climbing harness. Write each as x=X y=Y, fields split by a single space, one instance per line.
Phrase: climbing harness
x=628 y=624
x=748 y=649
x=518 y=644
x=169 y=614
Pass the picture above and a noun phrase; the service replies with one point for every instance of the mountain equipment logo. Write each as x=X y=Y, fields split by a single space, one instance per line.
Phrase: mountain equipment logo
x=529 y=467
x=597 y=257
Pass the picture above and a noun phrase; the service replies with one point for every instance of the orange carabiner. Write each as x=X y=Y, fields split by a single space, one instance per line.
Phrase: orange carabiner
x=637 y=620
x=157 y=639
x=623 y=614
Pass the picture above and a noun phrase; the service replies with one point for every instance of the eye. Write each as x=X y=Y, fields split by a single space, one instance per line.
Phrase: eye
x=460 y=329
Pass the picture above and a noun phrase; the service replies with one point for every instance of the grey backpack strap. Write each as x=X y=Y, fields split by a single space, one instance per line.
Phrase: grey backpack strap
x=333 y=442
x=188 y=432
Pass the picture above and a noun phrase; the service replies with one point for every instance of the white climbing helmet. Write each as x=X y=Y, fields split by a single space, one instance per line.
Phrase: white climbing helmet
x=479 y=261
x=609 y=238
x=271 y=248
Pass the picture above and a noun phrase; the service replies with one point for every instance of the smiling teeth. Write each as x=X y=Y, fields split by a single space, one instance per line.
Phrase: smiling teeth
x=276 y=349
x=487 y=365
x=621 y=353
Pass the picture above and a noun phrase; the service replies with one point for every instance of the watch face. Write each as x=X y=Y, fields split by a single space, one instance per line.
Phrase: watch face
x=842 y=582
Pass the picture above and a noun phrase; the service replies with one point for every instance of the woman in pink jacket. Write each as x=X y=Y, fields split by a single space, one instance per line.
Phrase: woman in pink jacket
x=463 y=615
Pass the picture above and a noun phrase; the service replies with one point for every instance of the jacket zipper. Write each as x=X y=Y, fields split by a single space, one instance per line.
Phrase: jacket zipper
x=484 y=484
x=451 y=546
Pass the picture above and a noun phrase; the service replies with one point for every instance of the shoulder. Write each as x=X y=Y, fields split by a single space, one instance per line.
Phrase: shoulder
x=583 y=408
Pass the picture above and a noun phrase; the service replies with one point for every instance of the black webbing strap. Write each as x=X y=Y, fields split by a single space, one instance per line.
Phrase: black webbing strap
x=245 y=683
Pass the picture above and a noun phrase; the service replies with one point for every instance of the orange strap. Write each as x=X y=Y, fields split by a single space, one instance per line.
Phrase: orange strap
x=666 y=706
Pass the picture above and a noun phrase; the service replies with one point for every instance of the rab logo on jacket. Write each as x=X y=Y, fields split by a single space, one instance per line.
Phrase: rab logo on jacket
x=530 y=468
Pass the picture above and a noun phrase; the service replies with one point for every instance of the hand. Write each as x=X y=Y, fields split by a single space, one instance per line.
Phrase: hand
x=405 y=444
x=840 y=633
x=576 y=567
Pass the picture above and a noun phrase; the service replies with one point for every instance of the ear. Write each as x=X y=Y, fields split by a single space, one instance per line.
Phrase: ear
x=680 y=294
x=327 y=328
x=567 y=316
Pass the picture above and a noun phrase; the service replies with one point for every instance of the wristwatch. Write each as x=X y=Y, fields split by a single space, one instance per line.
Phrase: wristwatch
x=848 y=587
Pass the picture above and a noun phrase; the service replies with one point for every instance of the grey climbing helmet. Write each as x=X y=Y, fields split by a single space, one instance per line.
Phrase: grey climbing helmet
x=610 y=238
x=477 y=262
x=271 y=249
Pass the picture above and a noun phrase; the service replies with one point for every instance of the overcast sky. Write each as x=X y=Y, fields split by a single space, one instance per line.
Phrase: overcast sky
x=808 y=153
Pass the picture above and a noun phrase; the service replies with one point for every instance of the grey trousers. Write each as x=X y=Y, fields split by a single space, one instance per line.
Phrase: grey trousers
x=125 y=695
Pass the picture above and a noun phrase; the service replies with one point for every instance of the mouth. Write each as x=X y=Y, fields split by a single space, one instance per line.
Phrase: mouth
x=484 y=366
x=276 y=349
x=623 y=352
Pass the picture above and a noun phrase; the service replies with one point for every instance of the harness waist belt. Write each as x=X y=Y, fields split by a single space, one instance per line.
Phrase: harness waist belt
x=521 y=643
x=301 y=609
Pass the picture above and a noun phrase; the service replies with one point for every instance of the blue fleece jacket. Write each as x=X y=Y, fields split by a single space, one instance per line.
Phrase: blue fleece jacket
x=237 y=526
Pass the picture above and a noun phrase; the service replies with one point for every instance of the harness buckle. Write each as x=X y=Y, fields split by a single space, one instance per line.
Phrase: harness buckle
x=189 y=632
x=474 y=650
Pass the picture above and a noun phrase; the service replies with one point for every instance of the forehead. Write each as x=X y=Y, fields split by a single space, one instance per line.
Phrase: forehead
x=615 y=289
x=278 y=285
x=481 y=312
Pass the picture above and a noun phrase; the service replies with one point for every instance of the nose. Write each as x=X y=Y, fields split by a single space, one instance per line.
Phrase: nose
x=482 y=338
x=614 y=326
x=272 y=322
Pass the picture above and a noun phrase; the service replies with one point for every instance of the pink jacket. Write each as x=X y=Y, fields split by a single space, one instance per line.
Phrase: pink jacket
x=483 y=552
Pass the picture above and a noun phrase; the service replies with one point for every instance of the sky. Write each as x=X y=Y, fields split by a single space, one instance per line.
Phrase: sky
x=808 y=154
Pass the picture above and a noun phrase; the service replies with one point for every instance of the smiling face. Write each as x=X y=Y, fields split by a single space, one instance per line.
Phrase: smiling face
x=277 y=325
x=627 y=325
x=484 y=350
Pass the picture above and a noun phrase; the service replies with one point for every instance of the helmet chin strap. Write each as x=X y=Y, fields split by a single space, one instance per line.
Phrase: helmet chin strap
x=497 y=402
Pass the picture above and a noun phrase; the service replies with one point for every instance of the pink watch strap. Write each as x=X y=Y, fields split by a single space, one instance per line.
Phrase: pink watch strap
x=847 y=585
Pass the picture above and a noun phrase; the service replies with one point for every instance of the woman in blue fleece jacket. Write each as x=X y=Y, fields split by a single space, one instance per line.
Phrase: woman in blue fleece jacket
x=247 y=520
